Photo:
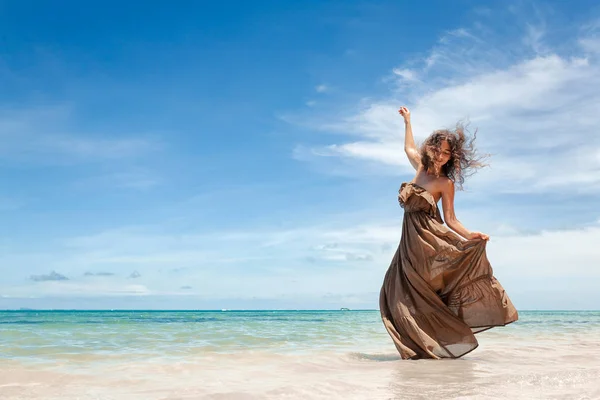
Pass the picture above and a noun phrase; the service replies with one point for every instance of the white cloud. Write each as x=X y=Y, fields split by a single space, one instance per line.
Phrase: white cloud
x=569 y=254
x=406 y=74
x=529 y=112
x=388 y=153
x=322 y=88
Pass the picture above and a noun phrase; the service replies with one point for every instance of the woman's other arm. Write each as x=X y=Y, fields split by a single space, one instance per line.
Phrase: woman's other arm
x=450 y=217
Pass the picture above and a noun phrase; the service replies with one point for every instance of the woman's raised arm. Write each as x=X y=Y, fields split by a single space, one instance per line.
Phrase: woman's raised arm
x=410 y=148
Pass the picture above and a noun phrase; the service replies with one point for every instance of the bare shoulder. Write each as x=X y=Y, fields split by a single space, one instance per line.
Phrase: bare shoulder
x=445 y=184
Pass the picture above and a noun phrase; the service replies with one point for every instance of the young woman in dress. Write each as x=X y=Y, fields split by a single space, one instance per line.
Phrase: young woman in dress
x=439 y=289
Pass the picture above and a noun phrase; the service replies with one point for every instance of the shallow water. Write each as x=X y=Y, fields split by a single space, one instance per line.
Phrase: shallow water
x=284 y=354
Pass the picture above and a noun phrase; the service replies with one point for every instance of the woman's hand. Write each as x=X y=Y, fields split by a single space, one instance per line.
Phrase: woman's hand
x=405 y=114
x=478 y=235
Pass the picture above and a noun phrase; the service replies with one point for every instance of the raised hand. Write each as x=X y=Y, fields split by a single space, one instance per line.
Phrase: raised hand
x=405 y=114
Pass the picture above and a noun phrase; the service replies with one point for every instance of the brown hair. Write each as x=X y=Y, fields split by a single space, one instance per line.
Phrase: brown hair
x=463 y=161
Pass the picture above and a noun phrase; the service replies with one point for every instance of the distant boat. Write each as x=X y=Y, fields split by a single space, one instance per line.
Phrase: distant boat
x=344 y=309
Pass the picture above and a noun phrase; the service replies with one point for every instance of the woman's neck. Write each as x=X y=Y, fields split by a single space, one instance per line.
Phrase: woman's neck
x=437 y=171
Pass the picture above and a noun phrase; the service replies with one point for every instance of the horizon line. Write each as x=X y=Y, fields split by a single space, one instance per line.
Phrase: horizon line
x=243 y=310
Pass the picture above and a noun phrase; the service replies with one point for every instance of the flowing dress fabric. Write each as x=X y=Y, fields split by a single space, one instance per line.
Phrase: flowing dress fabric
x=439 y=289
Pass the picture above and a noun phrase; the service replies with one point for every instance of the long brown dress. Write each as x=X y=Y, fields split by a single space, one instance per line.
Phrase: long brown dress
x=439 y=289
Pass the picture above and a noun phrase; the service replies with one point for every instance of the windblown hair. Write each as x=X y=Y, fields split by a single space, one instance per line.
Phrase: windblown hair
x=464 y=160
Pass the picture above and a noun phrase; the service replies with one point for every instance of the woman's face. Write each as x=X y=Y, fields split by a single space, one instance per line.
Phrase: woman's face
x=444 y=154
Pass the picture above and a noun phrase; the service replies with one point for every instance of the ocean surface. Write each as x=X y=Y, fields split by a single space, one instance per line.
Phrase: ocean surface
x=285 y=355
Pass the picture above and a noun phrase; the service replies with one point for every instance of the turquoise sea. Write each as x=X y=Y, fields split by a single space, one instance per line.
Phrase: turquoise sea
x=284 y=354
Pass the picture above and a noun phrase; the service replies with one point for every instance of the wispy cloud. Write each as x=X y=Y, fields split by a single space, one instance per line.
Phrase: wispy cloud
x=74 y=288
x=589 y=38
x=534 y=38
x=405 y=74
x=99 y=274
x=44 y=135
x=130 y=178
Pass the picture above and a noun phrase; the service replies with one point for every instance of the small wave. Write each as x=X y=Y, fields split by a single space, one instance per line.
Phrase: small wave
x=267 y=319
x=22 y=322
x=112 y=321
x=375 y=357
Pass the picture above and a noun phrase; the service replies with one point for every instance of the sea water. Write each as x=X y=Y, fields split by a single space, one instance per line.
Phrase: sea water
x=285 y=355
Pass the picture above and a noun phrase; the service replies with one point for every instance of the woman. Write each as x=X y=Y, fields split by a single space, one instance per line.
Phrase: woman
x=439 y=289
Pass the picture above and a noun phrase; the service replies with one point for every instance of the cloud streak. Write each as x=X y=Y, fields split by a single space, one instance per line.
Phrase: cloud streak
x=45 y=136
x=52 y=276
x=99 y=274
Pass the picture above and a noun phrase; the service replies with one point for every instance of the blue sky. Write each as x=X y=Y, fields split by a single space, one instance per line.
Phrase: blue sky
x=239 y=155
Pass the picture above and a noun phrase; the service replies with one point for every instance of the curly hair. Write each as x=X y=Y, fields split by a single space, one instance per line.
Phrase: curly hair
x=464 y=160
